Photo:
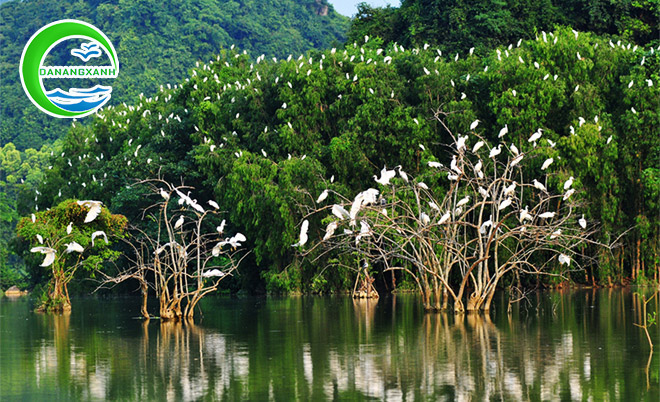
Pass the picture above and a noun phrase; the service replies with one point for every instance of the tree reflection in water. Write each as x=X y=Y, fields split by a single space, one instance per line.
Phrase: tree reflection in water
x=576 y=345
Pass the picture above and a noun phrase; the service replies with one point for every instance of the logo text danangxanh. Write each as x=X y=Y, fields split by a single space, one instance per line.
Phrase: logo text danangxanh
x=90 y=44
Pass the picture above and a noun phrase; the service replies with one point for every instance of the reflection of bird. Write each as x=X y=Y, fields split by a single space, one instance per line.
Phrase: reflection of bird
x=94 y=209
x=87 y=51
x=50 y=254
x=303 y=234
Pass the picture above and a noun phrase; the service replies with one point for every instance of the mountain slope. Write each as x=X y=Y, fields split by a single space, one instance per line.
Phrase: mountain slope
x=157 y=42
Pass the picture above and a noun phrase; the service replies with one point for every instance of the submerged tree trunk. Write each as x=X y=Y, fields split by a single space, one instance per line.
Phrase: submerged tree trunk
x=145 y=293
x=57 y=298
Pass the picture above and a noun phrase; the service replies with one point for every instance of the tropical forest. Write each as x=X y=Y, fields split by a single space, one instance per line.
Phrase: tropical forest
x=438 y=200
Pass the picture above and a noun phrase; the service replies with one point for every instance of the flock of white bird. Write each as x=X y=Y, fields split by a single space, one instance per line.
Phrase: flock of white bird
x=304 y=67
x=94 y=209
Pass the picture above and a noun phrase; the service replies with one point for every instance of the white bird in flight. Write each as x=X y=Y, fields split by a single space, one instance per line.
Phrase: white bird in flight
x=50 y=255
x=303 y=234
x=97 y=234
x=385 y=176
x=94 y=209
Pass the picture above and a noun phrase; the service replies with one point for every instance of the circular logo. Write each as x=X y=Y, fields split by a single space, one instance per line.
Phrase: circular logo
x=76 y=102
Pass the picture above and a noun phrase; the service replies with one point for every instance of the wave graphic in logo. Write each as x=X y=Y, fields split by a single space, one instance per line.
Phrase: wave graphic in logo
x=80 y=99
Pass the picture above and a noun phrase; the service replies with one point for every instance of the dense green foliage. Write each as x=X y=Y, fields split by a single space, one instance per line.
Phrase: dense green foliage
x=156 y=41
x=264 y=133
x=456 y=26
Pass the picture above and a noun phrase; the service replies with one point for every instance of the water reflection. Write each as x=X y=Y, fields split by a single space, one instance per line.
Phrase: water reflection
x=579 y=345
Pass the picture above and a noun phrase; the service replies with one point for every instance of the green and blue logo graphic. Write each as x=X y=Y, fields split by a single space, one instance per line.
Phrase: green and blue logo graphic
x=76 y=102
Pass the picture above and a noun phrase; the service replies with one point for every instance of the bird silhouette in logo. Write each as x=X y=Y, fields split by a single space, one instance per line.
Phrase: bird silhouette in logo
x=87 y=51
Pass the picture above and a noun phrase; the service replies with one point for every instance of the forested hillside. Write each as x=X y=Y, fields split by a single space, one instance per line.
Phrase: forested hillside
x=157 y=42
x=263 y=133
x=456 y=26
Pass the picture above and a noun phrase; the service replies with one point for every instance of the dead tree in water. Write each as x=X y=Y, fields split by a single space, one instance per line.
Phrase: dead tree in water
x=184 y=259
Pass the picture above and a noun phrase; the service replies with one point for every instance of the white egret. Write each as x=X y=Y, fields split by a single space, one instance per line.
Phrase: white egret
x=340 y=212
x=69 y=228
x=504 y=204
x=483 y=192
x=568 y=194
x=403 y=174
x=94 y=209
x=34 y=218
x=179 y=222
x=564 y=259
x=463 y=201
x=525 y=215
x=547 y=163
x=568 y=183
x=213 y=273
x=221 y=228
x=97 y=234
x=547 y=215
x=330 y=229
x=424 y=218
x=478 y=145
x=510 y=189
x=454 y=165
x=582 y=222
x=50 y=255
x=423 y=185
x=536 y=136
x=303 y=234
x=433 y=205
x=538 y=185
x=474 y=124
x=555 y=234
x=365 y=230
x=445 y=218
x=434 y=164
x=385 y=176
x=495 y=151
x=514 y=150
x=477 y=167
x=503 y=131
x=485 y=225
x=322 y=196
x=73 y=246
x=40 y=239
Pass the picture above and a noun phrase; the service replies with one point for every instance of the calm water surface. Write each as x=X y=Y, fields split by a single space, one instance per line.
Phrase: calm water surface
x=579 y=345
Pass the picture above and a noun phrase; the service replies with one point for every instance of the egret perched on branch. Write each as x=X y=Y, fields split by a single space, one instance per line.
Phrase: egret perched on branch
x=564 y=259
x=568 y=183
x=504 y=204
x=582 y=222
x=445 y=218
x=69 y=228
x=50 y=255
x=422 y=185
x=330 y=229
x=536 y=136
x=503 y=131
x=460 y=143
x=525 y=215
x=322 y=196
x=454 y=165
x=403 y=174
x=478 y=145
x=538 y=185
x=474 y=124
x=463 y=201
x=213 y=273
x=340 y=212
x=94 y=209
x=303 y=234
x=495 y=151
x=179 y=222
x=436 y=165
x=221 y=228
x=547 y=215
x=213 y=204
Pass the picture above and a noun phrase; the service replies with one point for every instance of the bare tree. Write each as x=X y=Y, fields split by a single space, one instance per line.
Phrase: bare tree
x=480 y=219
x=185 y=259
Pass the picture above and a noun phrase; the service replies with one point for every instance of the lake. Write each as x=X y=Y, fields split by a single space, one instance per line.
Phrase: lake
x=562 y=345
